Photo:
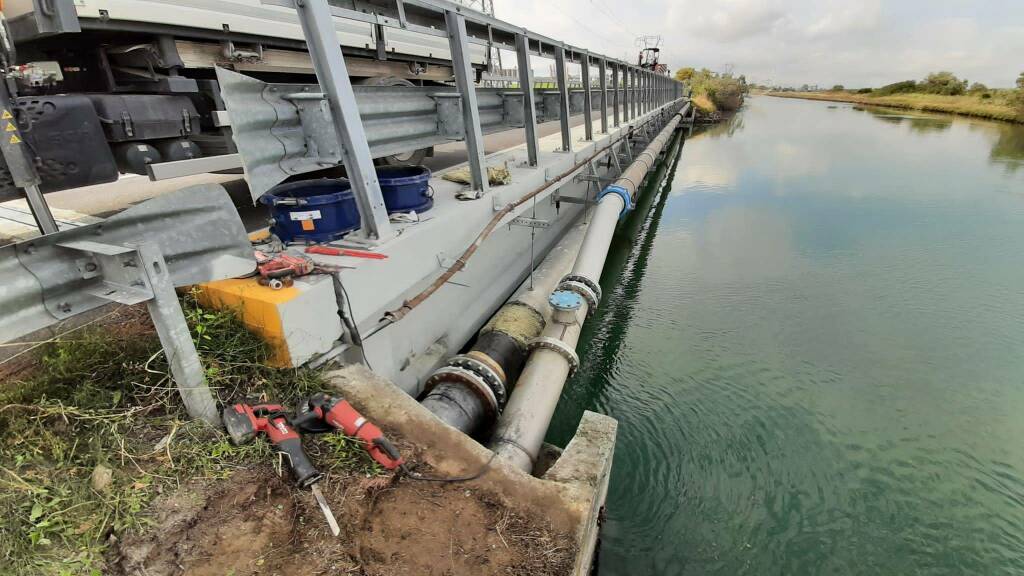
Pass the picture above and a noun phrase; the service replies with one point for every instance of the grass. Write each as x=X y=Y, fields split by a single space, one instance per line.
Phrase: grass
x=102 y=399
x=1001 y=106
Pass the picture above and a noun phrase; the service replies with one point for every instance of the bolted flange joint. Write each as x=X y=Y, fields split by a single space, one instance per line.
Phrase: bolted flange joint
x=556 y=345
x=585 y=287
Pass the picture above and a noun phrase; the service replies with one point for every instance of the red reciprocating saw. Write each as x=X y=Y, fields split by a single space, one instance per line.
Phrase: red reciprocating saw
x=243 y=422
x=323 y=413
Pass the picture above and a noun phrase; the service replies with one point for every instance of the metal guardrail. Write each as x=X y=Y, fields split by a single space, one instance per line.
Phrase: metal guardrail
x=642 y=90
x=282 y=130
x=140 y=255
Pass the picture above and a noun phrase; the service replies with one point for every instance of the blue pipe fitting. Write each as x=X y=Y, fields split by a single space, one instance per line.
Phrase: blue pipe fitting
x=623 y=193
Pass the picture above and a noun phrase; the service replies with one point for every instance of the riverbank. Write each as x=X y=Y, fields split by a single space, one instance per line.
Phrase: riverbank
x=961 y=105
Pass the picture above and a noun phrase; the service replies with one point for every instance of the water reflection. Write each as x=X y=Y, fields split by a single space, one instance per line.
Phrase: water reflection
x=813 y=351
x=1008 y=149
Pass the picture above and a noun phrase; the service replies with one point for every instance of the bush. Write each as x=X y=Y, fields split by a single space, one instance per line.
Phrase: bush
x=865 y=91
x=943 y=83
x=838 y=88
x=905 y=87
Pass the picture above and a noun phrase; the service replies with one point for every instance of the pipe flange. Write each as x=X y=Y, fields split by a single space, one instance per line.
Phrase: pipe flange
x=474 y=381
x=481 y=369
x=556 y=345
x=594 y=286
x=583 y=290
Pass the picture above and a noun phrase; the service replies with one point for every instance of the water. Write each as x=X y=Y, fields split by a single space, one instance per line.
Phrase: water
x=814 y=346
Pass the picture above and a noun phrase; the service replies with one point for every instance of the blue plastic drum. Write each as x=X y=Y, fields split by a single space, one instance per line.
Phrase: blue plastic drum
x=405 y=188
x=312 y=211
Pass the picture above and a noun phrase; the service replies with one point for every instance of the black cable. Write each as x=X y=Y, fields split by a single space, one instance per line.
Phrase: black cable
x=416 y=476
x=349 y=318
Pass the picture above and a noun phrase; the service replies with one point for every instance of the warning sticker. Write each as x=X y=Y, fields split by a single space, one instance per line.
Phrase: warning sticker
x=10 y=127
x=14 y=139
x=307 y=226
x=307 y=215
x=6 y=115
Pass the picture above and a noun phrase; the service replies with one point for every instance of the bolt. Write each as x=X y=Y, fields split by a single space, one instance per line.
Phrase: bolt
x=90 y=267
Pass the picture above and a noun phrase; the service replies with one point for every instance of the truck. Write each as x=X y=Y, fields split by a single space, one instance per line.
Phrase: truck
x=109 y=87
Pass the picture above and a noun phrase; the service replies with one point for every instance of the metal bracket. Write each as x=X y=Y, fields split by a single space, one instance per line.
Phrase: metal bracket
x=530 y=222
x=138 y=273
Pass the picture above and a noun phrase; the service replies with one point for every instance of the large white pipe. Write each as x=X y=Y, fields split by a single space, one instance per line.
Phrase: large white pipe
x=524 y=423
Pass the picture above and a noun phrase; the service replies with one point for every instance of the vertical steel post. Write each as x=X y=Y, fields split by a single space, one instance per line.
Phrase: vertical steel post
x=563 y=98
x=602 y=69
x=169 y=321
x=529 y=98
x=632 y=94
x=20 y=164
x=588 y=98
x=615 y=93
x=325 y=51
x=627 y=100
x=458 y=41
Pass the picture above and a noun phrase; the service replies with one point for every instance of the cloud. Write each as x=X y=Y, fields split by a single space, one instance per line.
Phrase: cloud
x=732 y=20
x=792 y=42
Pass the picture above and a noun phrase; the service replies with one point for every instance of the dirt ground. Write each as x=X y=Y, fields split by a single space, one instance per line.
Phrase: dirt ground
x=259 y=524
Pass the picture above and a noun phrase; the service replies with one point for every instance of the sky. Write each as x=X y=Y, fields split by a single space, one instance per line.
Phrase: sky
x=856 y=43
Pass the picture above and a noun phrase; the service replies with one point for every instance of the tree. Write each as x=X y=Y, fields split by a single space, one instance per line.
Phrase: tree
x=684 y=74
x=1020 y=81
x=838 y=88
x=977 y=88
x=944 y=83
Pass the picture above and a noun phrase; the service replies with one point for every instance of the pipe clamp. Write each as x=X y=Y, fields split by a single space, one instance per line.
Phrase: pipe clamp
x=556 y=345
x=622 y=192
x=593 y=285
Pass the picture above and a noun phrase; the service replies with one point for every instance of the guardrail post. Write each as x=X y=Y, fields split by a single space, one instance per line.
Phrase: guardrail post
x=615 y=93
x=322 y=42
x=563 y=97
x=588 y=99
x=458 y=41
x=602 y=69
x=529 y=97
x=627 y=100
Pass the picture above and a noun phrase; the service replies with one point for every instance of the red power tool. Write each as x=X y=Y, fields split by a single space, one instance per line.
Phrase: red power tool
x=243 y=422
x=323 y=413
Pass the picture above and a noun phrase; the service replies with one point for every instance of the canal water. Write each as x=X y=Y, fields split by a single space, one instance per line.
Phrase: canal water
x=813 y=342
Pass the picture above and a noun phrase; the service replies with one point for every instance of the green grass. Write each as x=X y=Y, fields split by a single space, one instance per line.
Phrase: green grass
x=102 y=397
x=1001 y=105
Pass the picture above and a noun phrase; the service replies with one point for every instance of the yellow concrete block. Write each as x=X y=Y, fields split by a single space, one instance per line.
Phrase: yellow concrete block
x=259 y=308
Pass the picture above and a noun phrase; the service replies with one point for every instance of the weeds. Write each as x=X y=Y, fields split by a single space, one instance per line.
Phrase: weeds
x=102 y=402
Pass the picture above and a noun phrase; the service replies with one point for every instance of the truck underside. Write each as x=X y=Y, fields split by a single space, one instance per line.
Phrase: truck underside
x=98 y=97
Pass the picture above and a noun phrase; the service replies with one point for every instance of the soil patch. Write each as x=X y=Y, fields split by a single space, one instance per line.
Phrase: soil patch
x=257 y=523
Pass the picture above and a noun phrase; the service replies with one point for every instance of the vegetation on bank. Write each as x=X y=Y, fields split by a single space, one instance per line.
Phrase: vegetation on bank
x=93 y=429
x=938 y=92
x=714 y=92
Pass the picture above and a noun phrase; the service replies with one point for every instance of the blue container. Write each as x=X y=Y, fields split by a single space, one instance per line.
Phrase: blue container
x=312 y=211
x=405 y=188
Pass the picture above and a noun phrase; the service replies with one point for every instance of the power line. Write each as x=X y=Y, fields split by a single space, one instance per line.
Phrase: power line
x=607 y=11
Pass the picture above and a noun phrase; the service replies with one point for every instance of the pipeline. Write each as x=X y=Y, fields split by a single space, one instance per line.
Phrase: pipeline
x=471 y=390
x=523 y=424
x=407 y=306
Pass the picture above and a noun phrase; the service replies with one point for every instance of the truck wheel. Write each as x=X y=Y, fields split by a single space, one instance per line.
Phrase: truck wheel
x=411 y=158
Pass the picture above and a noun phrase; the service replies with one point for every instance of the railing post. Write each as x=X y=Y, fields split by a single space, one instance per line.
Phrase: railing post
x=324 y=50
x=457 y=40
x=615 y=93
x=602 y=69
x=562 y=81
x=588 y=99
x=529 y=98
x=627 y=97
